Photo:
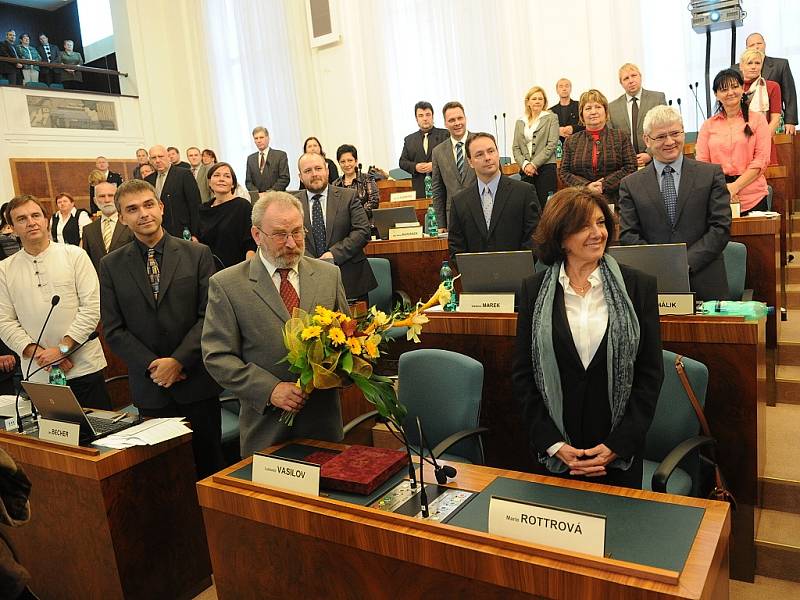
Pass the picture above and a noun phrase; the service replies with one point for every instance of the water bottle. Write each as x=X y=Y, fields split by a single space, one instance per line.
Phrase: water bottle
x=445 y=273
x=446 y=277
x=428 y=186
x=549 y=195
x=431 y=226
x=781 y=126
x=57 y=376
x=187 y=235
x=559 y=150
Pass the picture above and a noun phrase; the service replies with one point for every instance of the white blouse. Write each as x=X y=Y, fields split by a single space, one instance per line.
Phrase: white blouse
x=587 y=315
x=83 y=220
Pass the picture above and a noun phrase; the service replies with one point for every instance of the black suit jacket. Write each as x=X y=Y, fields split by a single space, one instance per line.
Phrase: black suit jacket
x=181 y=198
x=589 y=387
x=92 y=240
x=55 y=53
x=348 y=232
x=275 y=175
x=703 y=220
x=414 y=153
x=777 y=69
x=110 y=178
x=8 y=69
x=515 y=214
x=139 y=329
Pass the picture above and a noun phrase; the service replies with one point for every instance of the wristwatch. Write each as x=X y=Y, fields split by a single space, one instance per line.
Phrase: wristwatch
x=63 y=348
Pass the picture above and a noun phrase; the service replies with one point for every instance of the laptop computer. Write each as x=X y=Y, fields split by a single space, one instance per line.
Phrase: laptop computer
x=386 y=218
x=495 y=271
x=667 y=262
x=58 y=403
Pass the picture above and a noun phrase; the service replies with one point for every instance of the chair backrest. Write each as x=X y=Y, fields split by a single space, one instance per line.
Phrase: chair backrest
x=444 y=389
x=4 y=82
x=675 y=419
x=34 y=84
x=381 y=296
x=57 y=86
x=399 y=174
x=735 y=257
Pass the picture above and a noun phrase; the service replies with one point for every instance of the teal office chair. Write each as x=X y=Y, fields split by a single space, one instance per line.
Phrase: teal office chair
x=383 y=297
x=35 y=84
x=4 y=82
x=399 y=174
x=56 y=86
x=735 y=258
x=671 y=458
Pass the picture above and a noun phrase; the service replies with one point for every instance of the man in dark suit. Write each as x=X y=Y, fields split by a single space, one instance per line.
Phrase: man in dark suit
x=778 y=70
x=418 y=147
x=142 y=158
x=498 y=213
x=178 y=191
x=153 y=302
x=101 y=164
x=8 y=369
x=106 y=234
x=567 y=110
x=8 y=48
x=199 y=172
x=678 y=199
x=174 y=156
x=48 y=53
x=268 y=168
x=337 y=227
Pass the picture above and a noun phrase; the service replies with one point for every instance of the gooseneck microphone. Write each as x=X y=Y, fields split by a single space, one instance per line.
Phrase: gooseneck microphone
x=442 y=472
x=697 y=103
x=496 y=136
x=679 y=106
x=423 y=495
x=505 y=136
x=53 y=303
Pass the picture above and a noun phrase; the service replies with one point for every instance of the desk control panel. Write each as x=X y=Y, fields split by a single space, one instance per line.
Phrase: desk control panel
x=443 y=502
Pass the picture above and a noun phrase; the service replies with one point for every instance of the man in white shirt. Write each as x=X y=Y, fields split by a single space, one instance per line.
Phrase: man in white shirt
x=43 y=274
x=451 y=170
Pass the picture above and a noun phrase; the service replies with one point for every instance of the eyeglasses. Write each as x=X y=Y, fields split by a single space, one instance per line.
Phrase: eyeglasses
x=660 y=139
x=281 y=237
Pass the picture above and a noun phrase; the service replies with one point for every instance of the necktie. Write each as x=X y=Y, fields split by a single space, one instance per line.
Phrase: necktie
x=634 y=124
x=460 y=160
x=318 y=225
x=160 y=184
x=108 y=232
x=669 y=193
x=194 y=172
x=153 y=272
x=260 y=161
x=486 y=204
x=288 y=294
x=425 y=143
x=47 y=52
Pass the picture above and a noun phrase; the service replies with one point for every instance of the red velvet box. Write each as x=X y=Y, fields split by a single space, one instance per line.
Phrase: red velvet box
x=361 y=469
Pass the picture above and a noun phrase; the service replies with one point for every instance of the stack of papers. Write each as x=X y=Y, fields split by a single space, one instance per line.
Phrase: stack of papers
x=762 y=213
x=148 y=433
x=7 y=406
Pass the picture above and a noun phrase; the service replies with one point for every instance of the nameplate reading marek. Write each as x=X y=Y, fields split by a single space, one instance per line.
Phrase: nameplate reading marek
x=292 y=475
x=58 y=431
x=676 y=304
x=548 y=526
x=403 y=196
x=405 y=232
x=493 y=303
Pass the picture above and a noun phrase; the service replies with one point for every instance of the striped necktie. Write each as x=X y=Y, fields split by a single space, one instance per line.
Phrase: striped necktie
x=460 y=160
x=108 y=232
x=670 y=193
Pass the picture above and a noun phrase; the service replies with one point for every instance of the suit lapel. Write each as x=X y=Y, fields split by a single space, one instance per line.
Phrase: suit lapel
x=308 y=287
x=652 y=190
x=265 y=289
x=169 y=264
x=332 y=207
x=500 y=200
x=475 y=208
x=687 y=180
x=311 y=247
x=119 y=229
x=561 y=328
x=138 y=272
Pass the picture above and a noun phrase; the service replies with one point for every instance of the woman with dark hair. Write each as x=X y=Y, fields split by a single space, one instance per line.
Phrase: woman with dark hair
x=68 y=222
x=313 y=146
x=208 y=157
x=738 y=139
x=597 y=157
x=365 y=187
x=587 y=364
x=225 y=219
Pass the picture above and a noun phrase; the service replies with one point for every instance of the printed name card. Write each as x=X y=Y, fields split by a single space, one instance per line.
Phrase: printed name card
x=58 y=431
x=736 y=210
x=548 y=526
x=676 y=304
x=402 y=196
x=405 y=231
x=491 y=303
x=292 y=475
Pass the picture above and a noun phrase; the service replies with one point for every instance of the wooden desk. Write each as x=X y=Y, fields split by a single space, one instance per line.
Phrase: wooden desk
x=420 y=206
x=732 y=349
x=778 y=178
x=121 y=524
x=415 y=263
x=387 y=187
x=269 y=543
x=764 y=271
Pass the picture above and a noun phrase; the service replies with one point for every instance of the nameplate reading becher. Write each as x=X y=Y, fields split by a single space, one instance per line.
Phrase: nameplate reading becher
x=292 y=475
x=59 y=431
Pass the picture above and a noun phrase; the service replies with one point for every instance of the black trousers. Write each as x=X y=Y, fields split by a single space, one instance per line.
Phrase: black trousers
x=206 y=424
x=546 y=183
x=762 y=205
x=90 y=390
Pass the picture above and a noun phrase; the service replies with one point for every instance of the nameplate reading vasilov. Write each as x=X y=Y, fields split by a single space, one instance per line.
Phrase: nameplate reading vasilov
x=491 y=303
x=676 y=304
x=548 y=526
x=292 y=475
x=405 y=232
x=58 y=431
x=403 y=196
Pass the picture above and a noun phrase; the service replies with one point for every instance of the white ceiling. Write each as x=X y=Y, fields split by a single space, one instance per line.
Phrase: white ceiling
x=39 y=4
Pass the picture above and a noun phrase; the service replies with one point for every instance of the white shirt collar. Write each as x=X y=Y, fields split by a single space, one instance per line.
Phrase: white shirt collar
x=638 y=96
x=272 y=268
x=463 y=139
x=594 y=279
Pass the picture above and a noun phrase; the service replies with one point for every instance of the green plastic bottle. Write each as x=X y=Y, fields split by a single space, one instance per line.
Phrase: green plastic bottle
x=57 y=376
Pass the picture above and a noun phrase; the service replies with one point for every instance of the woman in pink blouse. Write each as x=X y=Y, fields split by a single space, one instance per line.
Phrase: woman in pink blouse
x=739 y=141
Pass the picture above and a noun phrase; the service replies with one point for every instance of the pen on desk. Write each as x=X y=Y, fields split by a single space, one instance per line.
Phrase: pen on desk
x=119 y=417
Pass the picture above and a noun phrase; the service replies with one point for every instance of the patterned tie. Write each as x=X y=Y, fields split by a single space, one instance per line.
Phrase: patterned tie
x=260 y=161
x=487 y=202
x=160 y=184
x=634 y=124
x=318 y=226
x=153 y=272
x=288 y=294
x=669 y=193
x=425 y=143
x=47 y=52
x=108 y=232
x=460 y=160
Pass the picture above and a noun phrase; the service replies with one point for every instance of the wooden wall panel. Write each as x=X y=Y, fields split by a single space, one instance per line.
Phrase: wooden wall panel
x=31 y=178
x=72 y=178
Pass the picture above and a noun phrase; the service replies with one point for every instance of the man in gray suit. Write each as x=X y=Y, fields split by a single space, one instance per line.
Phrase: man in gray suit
x=677 y=199
x=451 y=171
x=106 y=234
x=631 y=107
x=778 y=70
x=248 y=306
x=200 y=172
x=268 y=168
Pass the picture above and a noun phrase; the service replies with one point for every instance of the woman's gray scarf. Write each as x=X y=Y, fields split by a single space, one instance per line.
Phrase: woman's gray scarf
x=622 y=346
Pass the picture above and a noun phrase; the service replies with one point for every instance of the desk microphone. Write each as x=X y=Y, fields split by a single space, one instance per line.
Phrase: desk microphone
x=423 y=495
x=679 y=106
x=53 y=303
x=697 y=103
x=442 y=472
x=496 y=136
x=669 y=102
x=505 y=136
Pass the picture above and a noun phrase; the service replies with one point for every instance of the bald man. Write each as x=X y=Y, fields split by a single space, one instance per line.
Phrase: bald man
x=177 y=188
x=778 y=70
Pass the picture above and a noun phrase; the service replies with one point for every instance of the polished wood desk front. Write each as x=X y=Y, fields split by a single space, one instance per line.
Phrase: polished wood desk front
x=121 y=524
x=387 y=187
x=269 y=543
x=415 y=263
x=732 y=349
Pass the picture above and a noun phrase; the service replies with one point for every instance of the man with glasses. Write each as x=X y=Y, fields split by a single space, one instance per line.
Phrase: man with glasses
x=153 y=301
x=677 y=199
x=248 y=306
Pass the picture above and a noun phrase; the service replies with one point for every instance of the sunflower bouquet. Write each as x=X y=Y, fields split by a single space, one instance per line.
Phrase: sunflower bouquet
x=329 y=349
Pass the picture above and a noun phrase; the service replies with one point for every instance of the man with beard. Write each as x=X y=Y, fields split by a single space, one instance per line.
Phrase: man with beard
x=248 y=306
x=106 y=234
